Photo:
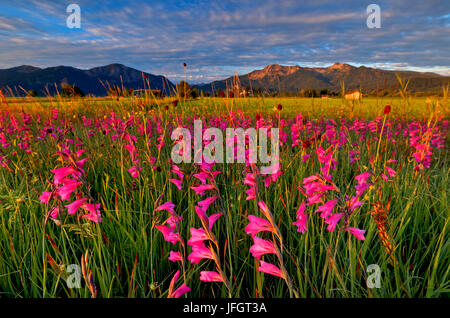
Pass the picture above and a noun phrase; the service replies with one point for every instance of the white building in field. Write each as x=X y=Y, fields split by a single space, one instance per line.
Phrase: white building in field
x=353 y=95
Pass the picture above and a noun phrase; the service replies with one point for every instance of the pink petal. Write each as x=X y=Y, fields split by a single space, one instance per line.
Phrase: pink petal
x=177 y=183
x=333 y=220
x=45 y=197
x=270 y=269
x=175 y=256
x=206 y=276
x=359 y=234
x=183 y=289
x=261 y=247
x=257 y=225
x=75 y=205
x=302 y=219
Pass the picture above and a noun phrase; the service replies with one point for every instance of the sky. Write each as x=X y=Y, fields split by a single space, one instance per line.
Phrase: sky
x=218 y=39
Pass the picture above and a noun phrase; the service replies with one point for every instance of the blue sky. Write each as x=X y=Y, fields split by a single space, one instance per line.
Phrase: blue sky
x=222 y=38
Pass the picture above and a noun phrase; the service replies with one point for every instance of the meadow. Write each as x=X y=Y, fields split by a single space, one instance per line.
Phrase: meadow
x=358 y=209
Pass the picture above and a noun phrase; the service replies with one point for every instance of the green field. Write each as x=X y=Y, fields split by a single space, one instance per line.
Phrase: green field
x=127 y=254
x=370 y=107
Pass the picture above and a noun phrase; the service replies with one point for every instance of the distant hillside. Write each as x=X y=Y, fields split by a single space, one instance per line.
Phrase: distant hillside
x=278 y=78
x=90 y=81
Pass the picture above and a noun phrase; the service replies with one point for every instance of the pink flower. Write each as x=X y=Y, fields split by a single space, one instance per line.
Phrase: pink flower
x=326 y=208
x=257 y=225
x=173 y=220
x=333 y=220
x=202 y=176
x=207 y=202
x=197 y=236
x=202 y=215
x=270 y=269
x=302 y=219
x=79 y=152
x=265 y=210
x=316 y=198
x=177 y=183
x=80 y=163
x=261 y=247
x=212 y=219
x=354 y=203
x=418 y=156
x=199 y=252
x=314 y=187
x=359 y=234
x=250 y=180
x=131 y=149
x=209 y=277
x=200 y=189
x=54 y=212
x=168 y=206
x=169 y=235
x=175 y=256
x=391 y=172
x=94 y=212
x=75 y=205
x=61 y=173
x=251 y=194
x=183 y=289
x=66 y=190
x=361 y=178
x=360 y=188
x=177 y=171
x=45 y=197
x=134 y=171
x=309 y=179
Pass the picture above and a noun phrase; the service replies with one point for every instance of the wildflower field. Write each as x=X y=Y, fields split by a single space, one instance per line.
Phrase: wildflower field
x=358 y=207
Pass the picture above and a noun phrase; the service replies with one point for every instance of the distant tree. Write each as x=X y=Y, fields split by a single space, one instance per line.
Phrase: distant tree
x=324 y=92
x=32 y=93
x=204 y=93
x=183 y=89
x=246 y=91
x=258 y=92
x=194 y=93
x=71 y=91
x=309 y=92
x=287 y=94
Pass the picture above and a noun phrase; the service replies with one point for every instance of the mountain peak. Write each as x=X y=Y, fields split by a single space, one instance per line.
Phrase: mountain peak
x=115 y=65
x=278 y=67
x=25 y=68
x=274 y=70
x=109 y=67
x=340 y=66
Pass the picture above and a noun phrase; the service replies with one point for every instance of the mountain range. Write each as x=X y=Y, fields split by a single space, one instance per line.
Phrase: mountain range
x=273 y=78
x=95 y=81
x=281 y=79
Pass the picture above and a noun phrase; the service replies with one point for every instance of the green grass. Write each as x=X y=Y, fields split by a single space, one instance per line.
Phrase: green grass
x=128 y=256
